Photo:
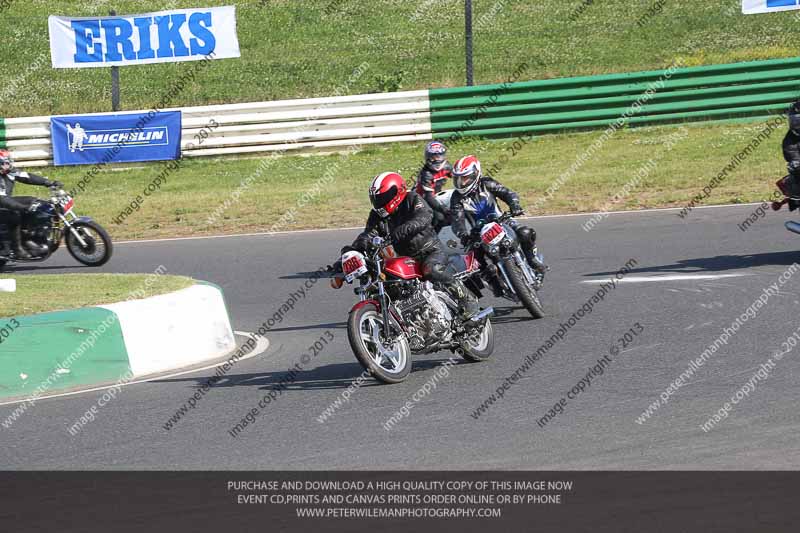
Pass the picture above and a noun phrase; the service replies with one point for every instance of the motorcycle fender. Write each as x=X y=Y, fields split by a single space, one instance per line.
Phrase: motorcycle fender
x=80 y=219
x=377 y=304
x=361 y=304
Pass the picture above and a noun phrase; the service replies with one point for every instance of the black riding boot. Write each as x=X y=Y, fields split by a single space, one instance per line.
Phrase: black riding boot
x=467 y=303
x=527 y=240
x=16 y=243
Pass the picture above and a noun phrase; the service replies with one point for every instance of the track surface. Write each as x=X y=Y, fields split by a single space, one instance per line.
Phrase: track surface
x=596 y=431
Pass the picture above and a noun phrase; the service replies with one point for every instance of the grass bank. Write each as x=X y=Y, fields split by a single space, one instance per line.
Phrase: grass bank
x=40 y=294
x=292 y=49
x=636 y=168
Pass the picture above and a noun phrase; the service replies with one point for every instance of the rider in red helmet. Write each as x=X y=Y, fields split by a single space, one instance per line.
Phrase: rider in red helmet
x=12 y=209
x=475 y=198
x=405 y=218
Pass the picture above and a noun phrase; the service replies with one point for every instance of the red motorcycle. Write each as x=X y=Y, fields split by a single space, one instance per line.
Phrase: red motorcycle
x=400 y=314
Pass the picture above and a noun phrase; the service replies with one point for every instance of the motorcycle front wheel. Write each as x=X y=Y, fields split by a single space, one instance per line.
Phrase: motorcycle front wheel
x=526 y=294
x=97 y=247
x=390 y=363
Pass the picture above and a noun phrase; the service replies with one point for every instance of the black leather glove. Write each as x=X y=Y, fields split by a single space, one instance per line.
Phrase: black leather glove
x=517 y=211
x=55 y=184
x=465 y=239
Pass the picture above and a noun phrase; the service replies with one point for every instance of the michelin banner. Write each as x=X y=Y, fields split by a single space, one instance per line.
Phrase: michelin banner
x=86 y=139
x=750 y=7
x=161 y=37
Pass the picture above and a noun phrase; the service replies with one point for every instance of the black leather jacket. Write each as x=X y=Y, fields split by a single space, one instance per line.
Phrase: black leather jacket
x=430 y=182
x=409 y=227
x=484 y=198
x=7 y=182
x=791 y=152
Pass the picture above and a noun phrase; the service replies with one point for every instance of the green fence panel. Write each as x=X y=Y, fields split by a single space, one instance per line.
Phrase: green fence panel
x=755 y=112
x=713 y=92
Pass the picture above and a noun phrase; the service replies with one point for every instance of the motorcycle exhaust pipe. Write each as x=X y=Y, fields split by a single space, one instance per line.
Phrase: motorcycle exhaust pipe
x=792 y=226
x=483 y=314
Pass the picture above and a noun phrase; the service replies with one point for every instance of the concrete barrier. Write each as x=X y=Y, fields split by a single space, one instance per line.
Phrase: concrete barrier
x=94 y=346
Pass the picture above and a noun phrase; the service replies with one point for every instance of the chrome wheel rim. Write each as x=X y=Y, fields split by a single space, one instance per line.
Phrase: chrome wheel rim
x=392 y=358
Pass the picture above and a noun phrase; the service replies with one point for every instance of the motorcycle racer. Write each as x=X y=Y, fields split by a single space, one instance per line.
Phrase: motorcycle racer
x=406 y=218
x=790 y=185
x=12 y=209
x=432 y=177
x=475 y=198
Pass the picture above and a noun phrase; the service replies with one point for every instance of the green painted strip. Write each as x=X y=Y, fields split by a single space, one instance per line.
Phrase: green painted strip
x=629 y=77
x=33 y=354
x=675 y=97
x=739 y=112
x=677 y=88
x=701 y=106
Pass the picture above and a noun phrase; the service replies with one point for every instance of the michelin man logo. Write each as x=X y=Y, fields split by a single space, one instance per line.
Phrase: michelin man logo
x=76 y=137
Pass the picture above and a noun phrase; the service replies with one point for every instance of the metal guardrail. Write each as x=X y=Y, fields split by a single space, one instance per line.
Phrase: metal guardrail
x=737 y=91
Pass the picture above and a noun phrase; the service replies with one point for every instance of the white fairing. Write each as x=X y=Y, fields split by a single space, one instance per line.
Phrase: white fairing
x=353 y=265
x=444 y=198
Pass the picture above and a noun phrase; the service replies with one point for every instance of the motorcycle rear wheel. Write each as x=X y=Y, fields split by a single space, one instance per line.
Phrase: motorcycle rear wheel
x=390 y=364
x=481 y=349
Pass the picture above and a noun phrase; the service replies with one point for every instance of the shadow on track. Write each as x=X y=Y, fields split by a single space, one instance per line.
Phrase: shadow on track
x=717 y=263
x=329 y=325
x=333 y=376
x=24 y=267
x=502 y=315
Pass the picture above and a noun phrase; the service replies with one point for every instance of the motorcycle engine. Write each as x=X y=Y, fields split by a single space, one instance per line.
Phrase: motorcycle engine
x=427 y=315
x=37 y=229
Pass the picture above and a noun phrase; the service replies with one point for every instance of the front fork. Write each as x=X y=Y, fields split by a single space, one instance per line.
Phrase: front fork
x=68 y=226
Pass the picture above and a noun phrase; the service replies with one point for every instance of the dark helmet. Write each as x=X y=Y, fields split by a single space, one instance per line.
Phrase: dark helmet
x=435 y=155
x=794 y=117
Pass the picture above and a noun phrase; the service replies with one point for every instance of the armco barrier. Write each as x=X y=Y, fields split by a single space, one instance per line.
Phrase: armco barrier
x=286 y=125
x=736 y=91
x=94 y=346
x=731 y=91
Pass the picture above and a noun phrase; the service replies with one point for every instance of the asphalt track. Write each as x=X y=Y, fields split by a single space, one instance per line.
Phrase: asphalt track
x=681 y=315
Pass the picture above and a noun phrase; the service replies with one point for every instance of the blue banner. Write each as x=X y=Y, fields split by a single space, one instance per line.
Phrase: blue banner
x=87 y=139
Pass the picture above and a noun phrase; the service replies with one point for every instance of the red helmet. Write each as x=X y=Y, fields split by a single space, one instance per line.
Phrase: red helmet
x=467 y=174
x=388 y=190
x=5 y=162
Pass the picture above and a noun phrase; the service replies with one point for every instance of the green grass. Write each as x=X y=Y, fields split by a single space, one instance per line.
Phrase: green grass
x=292 y=49
x=200 y=187
x=40 y=294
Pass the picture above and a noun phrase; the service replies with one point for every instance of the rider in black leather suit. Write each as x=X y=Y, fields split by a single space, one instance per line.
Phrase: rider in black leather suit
x=12 y=209
x=405 y=218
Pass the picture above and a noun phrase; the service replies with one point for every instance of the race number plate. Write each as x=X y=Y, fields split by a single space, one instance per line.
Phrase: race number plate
x=492 y=233
x=353 y=265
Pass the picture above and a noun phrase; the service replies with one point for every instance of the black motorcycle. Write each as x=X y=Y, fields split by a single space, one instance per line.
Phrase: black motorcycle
x=503 y=264
x=45 y=224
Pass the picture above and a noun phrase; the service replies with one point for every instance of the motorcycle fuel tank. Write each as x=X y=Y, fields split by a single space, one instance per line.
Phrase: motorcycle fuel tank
x=403 y=268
